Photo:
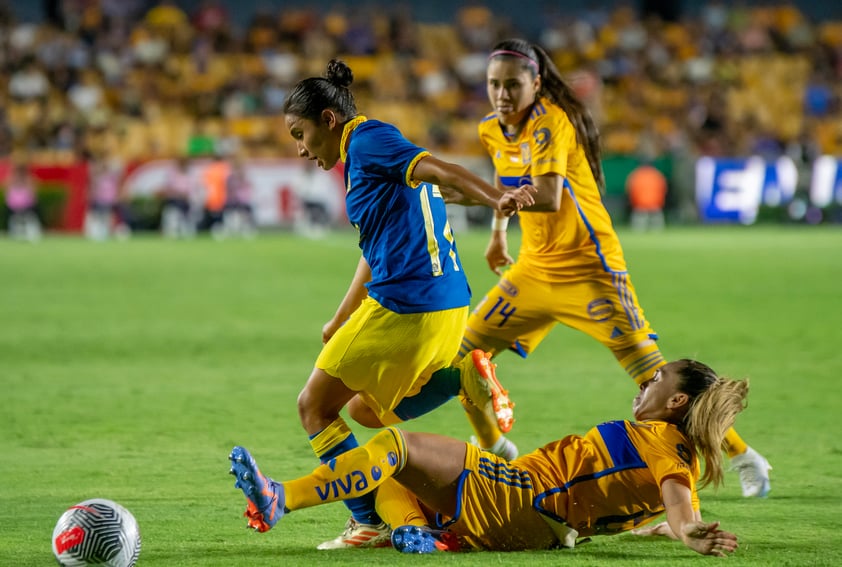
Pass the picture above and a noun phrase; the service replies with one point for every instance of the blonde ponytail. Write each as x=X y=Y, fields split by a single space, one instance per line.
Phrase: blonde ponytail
x=711 y=415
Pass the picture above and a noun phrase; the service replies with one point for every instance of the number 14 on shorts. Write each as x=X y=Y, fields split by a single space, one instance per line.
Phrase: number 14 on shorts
x=501 y=308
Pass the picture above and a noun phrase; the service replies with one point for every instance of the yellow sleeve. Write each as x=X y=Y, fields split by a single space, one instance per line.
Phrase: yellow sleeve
x=553 y=137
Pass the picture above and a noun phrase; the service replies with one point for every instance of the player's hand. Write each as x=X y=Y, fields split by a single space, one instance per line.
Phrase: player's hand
x=708 y=539
x=660 y=529
x=497 y=254
x=329 y=329
x=513 y=201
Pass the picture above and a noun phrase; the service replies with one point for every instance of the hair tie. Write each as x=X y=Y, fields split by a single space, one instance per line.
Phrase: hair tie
x=532 y=62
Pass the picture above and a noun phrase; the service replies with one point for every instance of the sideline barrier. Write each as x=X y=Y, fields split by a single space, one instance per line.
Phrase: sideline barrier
x=730 y=190
x=61 y=190
x=727 y=190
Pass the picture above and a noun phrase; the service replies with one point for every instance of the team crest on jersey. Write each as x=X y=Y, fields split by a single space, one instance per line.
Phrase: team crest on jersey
x=542 y=136
x=525 y=153
x=600 y=309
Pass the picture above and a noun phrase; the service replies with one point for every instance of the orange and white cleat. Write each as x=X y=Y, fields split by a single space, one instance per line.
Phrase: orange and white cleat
x=483 y=390
x=360 y=535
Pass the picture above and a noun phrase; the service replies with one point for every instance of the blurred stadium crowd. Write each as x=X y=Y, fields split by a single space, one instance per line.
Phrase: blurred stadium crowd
x=136 y=80
x=150 y=79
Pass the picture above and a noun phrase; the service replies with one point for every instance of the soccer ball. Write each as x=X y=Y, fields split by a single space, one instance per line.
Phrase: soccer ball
x=96 y=532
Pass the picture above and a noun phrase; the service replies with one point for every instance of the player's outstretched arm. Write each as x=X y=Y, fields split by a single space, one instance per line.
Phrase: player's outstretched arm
x=659 y=529
x=684 y=522
x=454 y=177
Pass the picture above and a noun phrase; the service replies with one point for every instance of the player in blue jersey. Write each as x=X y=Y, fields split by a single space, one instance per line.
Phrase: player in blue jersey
x=402 y=318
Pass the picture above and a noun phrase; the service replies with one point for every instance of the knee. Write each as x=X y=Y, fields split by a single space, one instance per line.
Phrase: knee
x=312 y=413
x=304 y=404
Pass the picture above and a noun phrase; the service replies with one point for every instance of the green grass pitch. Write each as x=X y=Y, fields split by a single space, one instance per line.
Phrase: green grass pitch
x=129 y=370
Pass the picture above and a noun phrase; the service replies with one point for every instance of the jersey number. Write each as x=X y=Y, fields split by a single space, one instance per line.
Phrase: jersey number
x=501 y=307
x=430 y=230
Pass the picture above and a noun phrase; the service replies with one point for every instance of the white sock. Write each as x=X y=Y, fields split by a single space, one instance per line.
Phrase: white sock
x=504 y=448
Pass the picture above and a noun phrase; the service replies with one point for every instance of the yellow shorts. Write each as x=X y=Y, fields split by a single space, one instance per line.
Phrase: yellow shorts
x=521 y=310
x=387 y=356
x=495 y=506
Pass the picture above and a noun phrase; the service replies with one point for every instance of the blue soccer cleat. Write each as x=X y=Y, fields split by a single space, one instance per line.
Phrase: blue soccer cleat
x=265 y=496
x=421 y=539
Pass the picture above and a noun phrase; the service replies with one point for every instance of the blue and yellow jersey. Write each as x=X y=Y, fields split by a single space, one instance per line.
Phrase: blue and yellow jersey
x=404 y=233
x=609 y=481
x=578 y=238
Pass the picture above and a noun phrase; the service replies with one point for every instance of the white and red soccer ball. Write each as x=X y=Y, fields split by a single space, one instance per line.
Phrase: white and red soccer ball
x=96 y=532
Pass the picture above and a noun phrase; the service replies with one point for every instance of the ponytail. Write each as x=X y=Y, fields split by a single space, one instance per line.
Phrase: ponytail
x=715 y=403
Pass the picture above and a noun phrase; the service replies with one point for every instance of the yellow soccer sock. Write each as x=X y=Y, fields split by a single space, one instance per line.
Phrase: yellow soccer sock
x=334 y=440
x=351 y=474
x=643 y=362
x=398 y=506
x=733 y=444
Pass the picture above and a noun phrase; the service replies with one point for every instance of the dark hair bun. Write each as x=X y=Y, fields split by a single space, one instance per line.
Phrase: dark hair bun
x=339 y=74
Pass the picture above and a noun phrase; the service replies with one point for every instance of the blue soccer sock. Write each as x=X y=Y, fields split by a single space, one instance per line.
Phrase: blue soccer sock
x=444 y=385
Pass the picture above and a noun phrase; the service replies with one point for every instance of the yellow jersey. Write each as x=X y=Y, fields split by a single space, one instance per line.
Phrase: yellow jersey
x=578 y=238
x=610 y=480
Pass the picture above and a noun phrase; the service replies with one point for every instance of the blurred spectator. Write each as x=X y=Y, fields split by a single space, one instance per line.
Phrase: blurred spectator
x=477 y=27
x=22 y=217
x=149 y=47
x=108 y=213
x=647 y=190
x=166 y=16
x=215 y=183
x=313 y=205
x=87 y=95
x=179 y=193
x=238 y=216
x=29 y=82
x=91 y=22
x=211 y=20
x=22 y=38
x=272 y=95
